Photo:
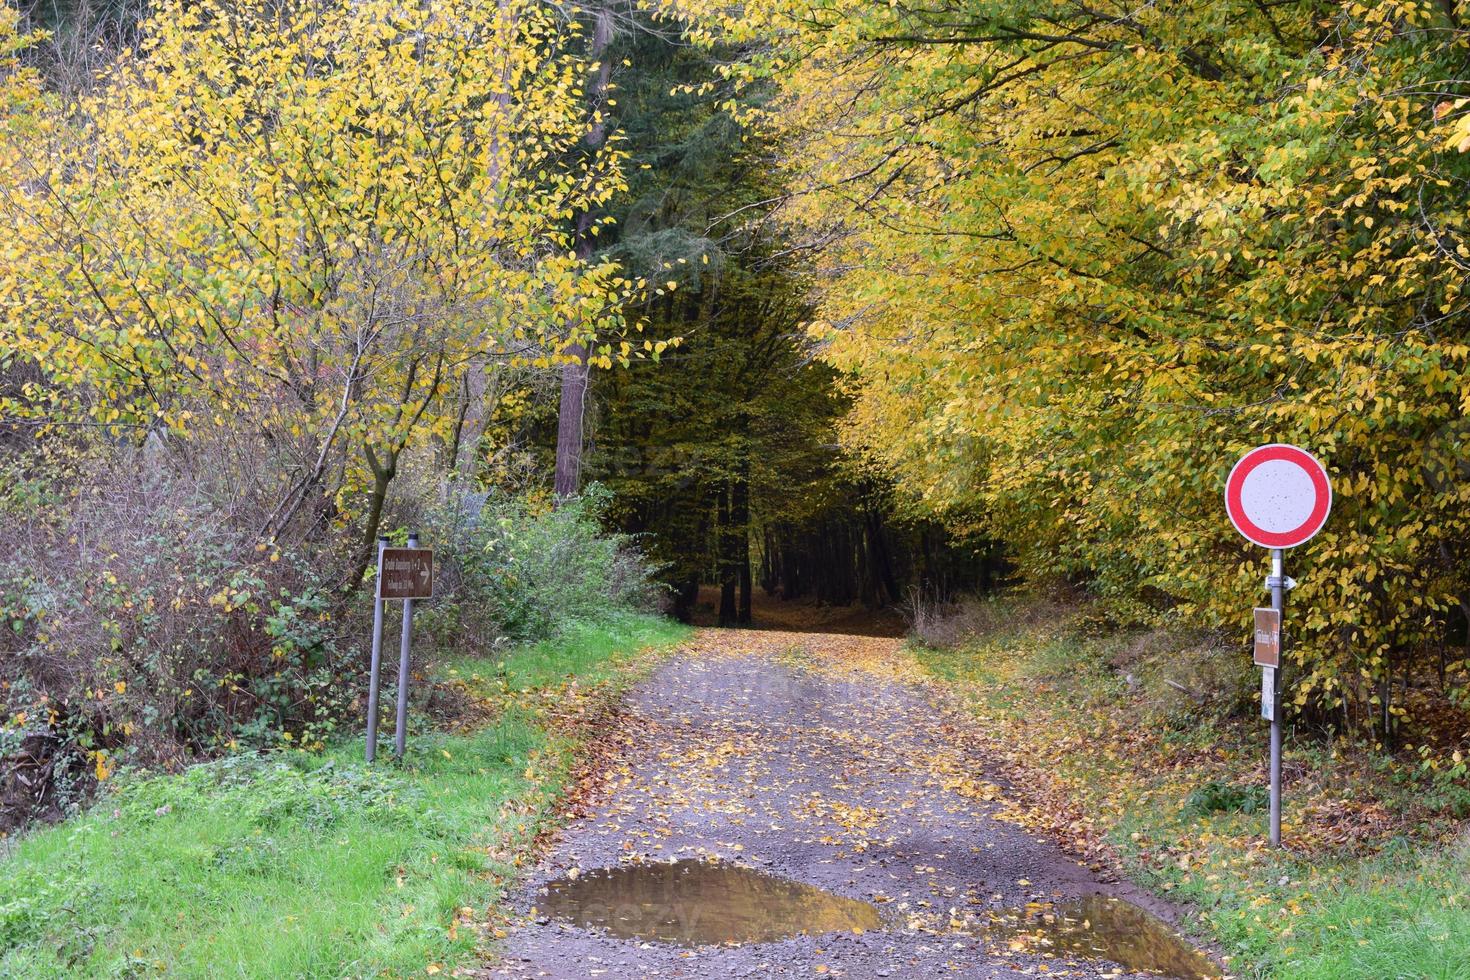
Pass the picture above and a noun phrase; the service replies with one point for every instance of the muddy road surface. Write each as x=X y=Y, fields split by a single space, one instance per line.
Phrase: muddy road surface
x=792 y=805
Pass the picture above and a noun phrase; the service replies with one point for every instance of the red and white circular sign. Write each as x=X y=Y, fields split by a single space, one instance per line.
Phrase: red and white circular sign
x=1278 y=496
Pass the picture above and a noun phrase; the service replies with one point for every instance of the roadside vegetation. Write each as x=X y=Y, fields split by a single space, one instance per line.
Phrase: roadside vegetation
x=223 y=376
x=972 y=292
x=1135 y=749
x=145 y=629
x=300 y=863
x=1075 y=258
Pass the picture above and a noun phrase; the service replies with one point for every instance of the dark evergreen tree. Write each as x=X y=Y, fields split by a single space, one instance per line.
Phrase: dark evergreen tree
x=722 y=453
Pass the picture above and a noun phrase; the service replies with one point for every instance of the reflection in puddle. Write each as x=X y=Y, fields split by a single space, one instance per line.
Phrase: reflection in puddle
x=1104 y=928
x=698 y=903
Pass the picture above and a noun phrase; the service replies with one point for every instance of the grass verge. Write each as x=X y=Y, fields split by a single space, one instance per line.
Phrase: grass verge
x=1372 y=885
x=297 y=864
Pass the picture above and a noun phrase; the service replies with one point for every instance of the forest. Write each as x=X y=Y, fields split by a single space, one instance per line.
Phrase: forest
x=936 y=322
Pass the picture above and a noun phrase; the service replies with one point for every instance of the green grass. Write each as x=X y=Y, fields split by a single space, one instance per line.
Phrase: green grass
x=588 y=654
x=292 y=865
x=1402 y=912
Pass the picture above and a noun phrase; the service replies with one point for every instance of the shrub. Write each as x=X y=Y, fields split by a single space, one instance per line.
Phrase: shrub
x=143 y=621
x=145 y=625
x=1218 y=797
x=942 y=625
x=517 y=569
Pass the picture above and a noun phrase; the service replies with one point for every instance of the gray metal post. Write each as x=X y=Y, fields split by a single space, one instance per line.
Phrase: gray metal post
x=400 y=735
x=1278 y=602
x=375 y=669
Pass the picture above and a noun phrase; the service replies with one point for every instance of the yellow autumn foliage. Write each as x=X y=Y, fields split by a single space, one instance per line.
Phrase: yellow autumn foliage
x=320 y=219
x=1080 y=257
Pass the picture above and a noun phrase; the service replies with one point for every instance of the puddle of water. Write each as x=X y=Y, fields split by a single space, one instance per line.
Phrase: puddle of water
x=1102 y=928
x=701 y=903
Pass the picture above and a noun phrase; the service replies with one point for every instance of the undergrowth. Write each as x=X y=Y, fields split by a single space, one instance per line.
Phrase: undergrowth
x=145 y=622
x=1372 y=883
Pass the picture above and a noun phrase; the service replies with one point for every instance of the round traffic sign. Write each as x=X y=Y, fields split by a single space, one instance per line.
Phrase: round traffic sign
x=1278 y=496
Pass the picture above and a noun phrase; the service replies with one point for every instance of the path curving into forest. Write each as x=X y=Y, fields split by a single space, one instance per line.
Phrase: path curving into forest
x=823 y=758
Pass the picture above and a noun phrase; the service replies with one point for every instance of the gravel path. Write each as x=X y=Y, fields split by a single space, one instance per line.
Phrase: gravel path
x=820 y=758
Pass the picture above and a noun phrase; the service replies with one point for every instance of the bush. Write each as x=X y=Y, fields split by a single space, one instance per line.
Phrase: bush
x=144 y=626
x=144 y=622
x=1219 y=797
x=517 y=569
x=948 y=624
x=943 y=625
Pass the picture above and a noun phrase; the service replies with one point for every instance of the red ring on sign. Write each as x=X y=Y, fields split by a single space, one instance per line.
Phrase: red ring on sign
x=1320 y=506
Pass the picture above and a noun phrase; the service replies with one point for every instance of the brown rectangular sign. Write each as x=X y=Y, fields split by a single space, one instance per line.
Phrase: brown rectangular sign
x=406 y=573
x=1268 y=637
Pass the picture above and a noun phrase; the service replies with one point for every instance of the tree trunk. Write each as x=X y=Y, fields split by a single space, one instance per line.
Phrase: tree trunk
x=880 y=557
x=740 y=539
x=383 y=473
x=686 y=596
x=569 y=424
x=744 y=613
x=574 y=375
x=725 y=560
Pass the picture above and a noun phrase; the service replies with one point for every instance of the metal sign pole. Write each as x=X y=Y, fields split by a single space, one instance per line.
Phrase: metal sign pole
x=1278 y=496
x=1278 y=602
x=401 y=733
x=375 y=668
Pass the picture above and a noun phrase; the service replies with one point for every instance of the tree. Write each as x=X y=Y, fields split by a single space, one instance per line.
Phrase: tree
x=320 y=219
x=574 y=373
x=724 y=457
x=1080 y=256
x=689 y=167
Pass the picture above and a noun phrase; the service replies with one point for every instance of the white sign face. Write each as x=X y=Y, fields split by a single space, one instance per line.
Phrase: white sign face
x=1268 y=693
x=1278 y=496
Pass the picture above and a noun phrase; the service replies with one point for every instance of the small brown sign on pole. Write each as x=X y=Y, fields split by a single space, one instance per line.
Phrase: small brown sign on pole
x=407 y=573
x=1268 y=637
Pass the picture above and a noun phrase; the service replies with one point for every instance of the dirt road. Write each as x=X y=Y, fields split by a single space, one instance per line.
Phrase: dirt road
x=819 y=758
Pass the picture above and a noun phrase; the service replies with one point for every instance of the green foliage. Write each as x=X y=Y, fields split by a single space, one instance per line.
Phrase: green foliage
x=524 y=570
x=741 y=413
x=1444 y=782
x=1216 y=796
